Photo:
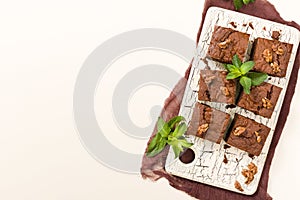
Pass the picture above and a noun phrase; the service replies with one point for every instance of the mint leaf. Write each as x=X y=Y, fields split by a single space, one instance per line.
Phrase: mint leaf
x=155 y=140
x=158 y=148
x=185 y=143
x=174 y=121
x=163 y=127
x=177 y=149
x=236 y=61
x=180 y=130
x=246 y=83
x=232 y=68
x=233 y=75
x=238 y=4
x=246 y=67
x=160 y=123
x=169 y=133
x=257 y=78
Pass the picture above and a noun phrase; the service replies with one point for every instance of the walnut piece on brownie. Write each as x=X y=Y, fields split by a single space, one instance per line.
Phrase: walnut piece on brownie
x=262 y=99
x=208 y=123
x=252 y=137
x=226 y=42
x=271 y=56
x=214 y=87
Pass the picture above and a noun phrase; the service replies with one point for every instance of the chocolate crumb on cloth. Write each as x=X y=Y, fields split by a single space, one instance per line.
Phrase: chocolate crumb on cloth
x=153 y=168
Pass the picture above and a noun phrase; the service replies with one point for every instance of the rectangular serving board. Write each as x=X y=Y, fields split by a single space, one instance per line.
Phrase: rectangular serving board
x=208 y=166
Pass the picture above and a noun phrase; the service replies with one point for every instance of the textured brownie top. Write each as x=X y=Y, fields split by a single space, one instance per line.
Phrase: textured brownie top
x=208 y=123
x=248 y=135
x=226 y=42
x=261 y=100
x=213 y=86
x=271 y=56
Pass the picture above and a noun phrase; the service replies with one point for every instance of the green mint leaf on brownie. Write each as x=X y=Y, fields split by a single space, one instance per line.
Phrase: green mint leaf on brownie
x=236 y=61
x=171 y=133
x=257 y=78
x=233 y=75
x=246 y=67
x=232 y=68
x=246 y=83
x=241 y=71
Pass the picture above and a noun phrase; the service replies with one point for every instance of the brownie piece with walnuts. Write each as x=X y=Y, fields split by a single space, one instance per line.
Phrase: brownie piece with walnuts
x=261 y=100
x=271 y=56
x=214 y=87
x=208 y=123
x=248 y=135
x=226 y=42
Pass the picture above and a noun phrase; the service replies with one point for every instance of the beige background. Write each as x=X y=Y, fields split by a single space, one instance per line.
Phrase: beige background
x=42 y=47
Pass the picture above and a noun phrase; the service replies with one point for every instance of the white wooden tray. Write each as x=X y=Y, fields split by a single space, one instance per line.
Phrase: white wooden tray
x=208 y=166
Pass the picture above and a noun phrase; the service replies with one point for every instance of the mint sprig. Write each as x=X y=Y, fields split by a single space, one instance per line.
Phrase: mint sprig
x=239 y=70
x=171 y=133
x=238 y=4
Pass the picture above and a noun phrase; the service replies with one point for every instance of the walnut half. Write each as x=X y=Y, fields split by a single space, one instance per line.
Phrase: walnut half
x=267 y=54
x=279 y=51
x=238 y=186
x=267 y=103
x=249 y=173
x=239 y=130
x=224 y=45
x=275 y=67
x=258 y=137
x=202 y=129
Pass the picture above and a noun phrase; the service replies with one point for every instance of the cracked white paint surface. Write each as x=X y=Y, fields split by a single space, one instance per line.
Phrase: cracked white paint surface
x=208 y=166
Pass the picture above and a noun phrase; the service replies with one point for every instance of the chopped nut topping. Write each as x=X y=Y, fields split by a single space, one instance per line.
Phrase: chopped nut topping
x=267 y=103
x=208 y=79
x=249 y=173
x=267 y=54
x=279 y=51
x=258 y=137
x=238 y=186
x=239 y=130
x=224 y=45
x=275 y=67
x=225 y=91
x=202 y=129
x=253 y=168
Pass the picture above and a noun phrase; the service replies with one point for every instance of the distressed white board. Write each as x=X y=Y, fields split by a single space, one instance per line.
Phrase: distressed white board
x=208 y=166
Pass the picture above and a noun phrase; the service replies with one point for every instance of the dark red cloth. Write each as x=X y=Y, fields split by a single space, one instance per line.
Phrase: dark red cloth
x=153 y=168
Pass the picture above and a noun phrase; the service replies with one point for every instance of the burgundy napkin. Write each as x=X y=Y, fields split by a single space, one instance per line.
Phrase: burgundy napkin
x=153 y=168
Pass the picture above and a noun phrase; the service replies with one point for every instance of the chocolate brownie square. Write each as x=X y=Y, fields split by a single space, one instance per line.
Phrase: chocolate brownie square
x=214 y=87
x=208 y=123
x=261 y=100
x=248 y=135
x=226 y=42
x=271 y=56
